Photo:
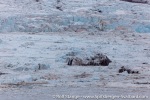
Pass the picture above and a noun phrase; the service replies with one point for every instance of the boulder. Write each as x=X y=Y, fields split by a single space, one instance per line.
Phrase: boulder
x=129 y=71
x=137 y=1
x=97 y=59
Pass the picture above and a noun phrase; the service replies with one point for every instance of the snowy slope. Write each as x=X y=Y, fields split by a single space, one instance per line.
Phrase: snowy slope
x=74 y=16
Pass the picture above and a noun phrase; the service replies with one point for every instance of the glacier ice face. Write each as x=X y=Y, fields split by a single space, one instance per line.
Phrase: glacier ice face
x=47 y=23
x=52 y=23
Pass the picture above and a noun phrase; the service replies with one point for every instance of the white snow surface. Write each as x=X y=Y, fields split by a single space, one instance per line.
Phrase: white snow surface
x=21 y=54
